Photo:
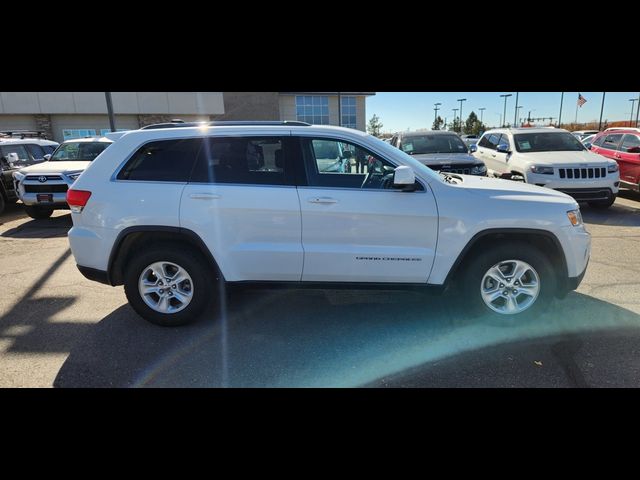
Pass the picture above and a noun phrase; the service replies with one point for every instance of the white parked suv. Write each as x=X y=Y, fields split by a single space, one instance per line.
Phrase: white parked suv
x=175 y=214
x=43 y=187
x=552 y=158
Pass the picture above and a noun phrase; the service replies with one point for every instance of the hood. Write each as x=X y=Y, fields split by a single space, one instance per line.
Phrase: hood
x=510 y=190
x=55 y=167
x=445 y=158
x=566 y=158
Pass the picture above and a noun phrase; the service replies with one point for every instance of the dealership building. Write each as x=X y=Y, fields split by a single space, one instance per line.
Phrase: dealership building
x=64 y=115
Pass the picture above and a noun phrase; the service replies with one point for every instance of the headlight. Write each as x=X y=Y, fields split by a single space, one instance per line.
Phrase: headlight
x=479 y=169
x=612 y=167
x=575 y=217
x=542 y=170
x=74 y=176
x=18 y=176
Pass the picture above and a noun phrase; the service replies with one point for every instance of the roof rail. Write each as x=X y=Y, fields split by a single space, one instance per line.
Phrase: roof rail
x=22 y=133
x=622 y=128
x=222 y=123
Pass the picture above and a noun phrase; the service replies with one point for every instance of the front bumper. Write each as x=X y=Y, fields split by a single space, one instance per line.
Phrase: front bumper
x=55 y=185
x=579 y=188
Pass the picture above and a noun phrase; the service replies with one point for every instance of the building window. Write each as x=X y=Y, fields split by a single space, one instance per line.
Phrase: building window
x=348 y=112
x=69 y=133
x=312 y=109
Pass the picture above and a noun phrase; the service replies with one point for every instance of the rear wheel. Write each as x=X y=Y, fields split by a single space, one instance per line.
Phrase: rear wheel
x=2 y=202
x=38 y=212
x=509 y=283
x=169 y=285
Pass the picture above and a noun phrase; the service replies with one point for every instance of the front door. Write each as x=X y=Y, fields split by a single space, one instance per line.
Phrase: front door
x=629 y=159
x=355 y=226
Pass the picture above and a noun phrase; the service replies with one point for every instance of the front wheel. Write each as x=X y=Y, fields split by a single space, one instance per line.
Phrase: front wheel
x=169 y=285
x=510 y=282
x=38 y=212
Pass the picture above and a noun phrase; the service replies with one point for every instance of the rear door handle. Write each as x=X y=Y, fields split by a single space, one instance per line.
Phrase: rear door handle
x=204 y=196
x=323 y=200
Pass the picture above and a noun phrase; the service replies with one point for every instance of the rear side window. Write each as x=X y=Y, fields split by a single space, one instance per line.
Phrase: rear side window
x=162 y=161
x=630 y=141
x=612 y=141
x=242 y=160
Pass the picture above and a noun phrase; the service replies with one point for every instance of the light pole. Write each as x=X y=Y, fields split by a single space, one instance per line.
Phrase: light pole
x=436 y=109
x=601 y=110
x=633 y=102
x=481 y=112
x=112 y=120
x=638 y=111
x=504 y=115
x=461 y=100
x=560 y=114
x=455 y=110
x=515 y=119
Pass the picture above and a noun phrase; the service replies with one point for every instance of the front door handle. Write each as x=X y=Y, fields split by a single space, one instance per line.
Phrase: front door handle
x=323 y=200
x=204 y=196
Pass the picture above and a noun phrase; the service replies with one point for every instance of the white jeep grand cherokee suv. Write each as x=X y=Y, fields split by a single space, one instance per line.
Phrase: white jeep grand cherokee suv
x=552 y=158
x=176 y=213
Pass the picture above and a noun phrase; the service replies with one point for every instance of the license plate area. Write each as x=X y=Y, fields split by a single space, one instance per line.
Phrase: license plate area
x=44 y=197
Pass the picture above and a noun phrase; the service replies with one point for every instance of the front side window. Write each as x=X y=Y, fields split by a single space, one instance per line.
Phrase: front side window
x=242 y=160
x=419 y=144
x=599 y=141
x=504 y=140
x=78 y=151
x=630 y=141
x=336 y=163
x=162 y=161
x=36 y=151
x=547 y=142
x=348 y=111
x=611 y=141
x=15 y=154
x=312 y=109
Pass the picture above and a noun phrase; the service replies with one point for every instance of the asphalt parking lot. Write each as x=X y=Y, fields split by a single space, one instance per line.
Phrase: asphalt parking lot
x=58 y=329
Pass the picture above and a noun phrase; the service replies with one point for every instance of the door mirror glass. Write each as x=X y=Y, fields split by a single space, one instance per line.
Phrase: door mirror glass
x=473 y=148
x=47 y=157
x=503 y=148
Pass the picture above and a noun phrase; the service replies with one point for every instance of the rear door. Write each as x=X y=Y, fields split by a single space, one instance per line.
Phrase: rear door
x=12 y=158
x=242 y=201
x=628 y=157
x=356 y=228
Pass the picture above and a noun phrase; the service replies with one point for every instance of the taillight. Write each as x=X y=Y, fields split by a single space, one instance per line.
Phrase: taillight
x=77 y=199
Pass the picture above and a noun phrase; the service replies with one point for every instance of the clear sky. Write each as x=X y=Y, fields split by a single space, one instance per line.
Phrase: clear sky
x=414 y=110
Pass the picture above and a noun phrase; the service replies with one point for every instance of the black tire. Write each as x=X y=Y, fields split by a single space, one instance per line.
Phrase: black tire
x=2 y=203
x=205 y=282
x=38 y=212
x=603 y=203
x=475 y=270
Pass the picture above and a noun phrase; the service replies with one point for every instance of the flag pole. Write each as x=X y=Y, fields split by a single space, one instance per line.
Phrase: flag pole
x=576 y=120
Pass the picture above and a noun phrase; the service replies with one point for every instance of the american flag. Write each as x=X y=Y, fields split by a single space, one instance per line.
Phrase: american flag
x=581 y=100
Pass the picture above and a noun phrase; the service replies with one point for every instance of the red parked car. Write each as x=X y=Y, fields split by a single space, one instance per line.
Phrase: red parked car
x=621 y=144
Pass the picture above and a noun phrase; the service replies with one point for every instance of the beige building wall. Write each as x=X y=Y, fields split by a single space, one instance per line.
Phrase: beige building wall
x=361 y=113
x=17 y=122
x=288 y=107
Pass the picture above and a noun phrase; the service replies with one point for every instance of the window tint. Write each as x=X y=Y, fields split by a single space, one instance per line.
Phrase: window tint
x=433 y=143
x=629 y=141
x=335 y=163
x=598 y=141
x=504 y=139
x=244 y=160
x=48 y=149
x=611 y=142
x=162 y=161
x=80 y=151
x=36 y=151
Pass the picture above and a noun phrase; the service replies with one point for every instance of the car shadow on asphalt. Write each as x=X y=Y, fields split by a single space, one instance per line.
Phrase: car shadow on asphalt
x=310 y=338
x=53 y=227
x=616 y=215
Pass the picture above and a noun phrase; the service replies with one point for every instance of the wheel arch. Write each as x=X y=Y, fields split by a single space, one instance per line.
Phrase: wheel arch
x=546 y=242
x=134 y=238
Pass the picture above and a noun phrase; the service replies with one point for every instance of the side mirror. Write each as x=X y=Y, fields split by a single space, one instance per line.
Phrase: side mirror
x=473 y=148
x=503 y=148
x=587 y=145
x=47 y=157
x=633 y=150
x=404 y=178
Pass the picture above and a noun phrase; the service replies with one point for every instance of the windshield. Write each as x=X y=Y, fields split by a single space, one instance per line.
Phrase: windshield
x=417 y=144
x=547 y=142
x=417 y=167
x=80 y=151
